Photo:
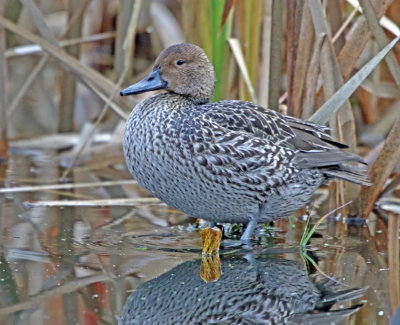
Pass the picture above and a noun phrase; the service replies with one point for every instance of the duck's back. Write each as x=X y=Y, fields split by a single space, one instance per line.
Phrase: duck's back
x=314 y=148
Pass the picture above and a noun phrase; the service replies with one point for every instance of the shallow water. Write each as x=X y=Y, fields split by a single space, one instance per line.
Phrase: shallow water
x=78 y=265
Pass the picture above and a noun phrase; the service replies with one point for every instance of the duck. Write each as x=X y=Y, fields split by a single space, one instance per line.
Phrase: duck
x=229 y=161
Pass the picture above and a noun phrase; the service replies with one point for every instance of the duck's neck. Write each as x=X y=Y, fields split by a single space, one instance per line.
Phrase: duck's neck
x=193 y=99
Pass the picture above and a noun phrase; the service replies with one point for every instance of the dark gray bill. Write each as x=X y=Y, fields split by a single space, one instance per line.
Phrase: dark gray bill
x=153 y=81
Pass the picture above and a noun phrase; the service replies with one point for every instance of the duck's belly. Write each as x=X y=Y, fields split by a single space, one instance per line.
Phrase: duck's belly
x=167 y=175
x=176 y=182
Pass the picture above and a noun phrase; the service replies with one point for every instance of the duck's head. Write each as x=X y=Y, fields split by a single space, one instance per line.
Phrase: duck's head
x=182 y=69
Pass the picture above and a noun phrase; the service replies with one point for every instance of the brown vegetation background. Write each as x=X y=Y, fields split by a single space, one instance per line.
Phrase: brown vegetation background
x=62 y=64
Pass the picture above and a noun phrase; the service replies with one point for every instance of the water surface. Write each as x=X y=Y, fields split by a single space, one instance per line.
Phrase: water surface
x=78 y=265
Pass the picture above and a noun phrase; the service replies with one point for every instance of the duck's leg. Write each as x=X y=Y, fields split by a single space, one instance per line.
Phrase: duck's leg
x=251 y=226
x=211 y=239
x=253 y=262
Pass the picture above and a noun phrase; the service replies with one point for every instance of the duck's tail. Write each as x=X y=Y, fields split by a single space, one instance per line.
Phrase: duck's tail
x=354 y=174
x=334 y=164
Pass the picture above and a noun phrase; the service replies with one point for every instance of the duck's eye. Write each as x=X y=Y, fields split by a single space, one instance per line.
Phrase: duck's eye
x=180 y=62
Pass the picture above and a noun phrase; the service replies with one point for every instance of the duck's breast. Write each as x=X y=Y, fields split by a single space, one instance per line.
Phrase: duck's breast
x=159 y=151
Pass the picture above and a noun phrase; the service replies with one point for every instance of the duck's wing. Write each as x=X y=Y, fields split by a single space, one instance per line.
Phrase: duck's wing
x=261 y=122
x=299 y=144
x=249 y=164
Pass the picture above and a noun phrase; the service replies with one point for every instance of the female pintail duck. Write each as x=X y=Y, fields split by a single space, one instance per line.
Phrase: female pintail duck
x=228 y=161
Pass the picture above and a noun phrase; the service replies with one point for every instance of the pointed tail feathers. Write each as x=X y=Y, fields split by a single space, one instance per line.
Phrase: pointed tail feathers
x=333 y=163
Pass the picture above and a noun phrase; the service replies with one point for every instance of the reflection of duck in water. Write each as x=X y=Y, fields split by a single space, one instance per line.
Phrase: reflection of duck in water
x=264 y=291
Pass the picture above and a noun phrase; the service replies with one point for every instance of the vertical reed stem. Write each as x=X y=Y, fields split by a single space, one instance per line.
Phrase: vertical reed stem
x=3 y=95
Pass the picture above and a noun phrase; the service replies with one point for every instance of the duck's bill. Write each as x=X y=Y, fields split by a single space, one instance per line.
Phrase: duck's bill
x=153 y=81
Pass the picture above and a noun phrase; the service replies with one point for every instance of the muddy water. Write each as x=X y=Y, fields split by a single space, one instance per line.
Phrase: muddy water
x=79 y=265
